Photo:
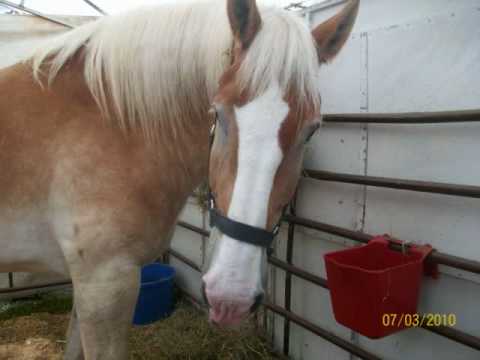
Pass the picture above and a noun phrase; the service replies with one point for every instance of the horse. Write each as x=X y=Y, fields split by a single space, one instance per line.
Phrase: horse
x=104 y=134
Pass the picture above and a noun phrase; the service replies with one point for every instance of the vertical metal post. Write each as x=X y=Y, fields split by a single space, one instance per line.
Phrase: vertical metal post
x=288 y=279
x=289 y=253
x=165 y=258
x=10 y=280
x=96 y=7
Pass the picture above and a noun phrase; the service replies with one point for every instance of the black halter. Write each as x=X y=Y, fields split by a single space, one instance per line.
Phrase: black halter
x=234 y=229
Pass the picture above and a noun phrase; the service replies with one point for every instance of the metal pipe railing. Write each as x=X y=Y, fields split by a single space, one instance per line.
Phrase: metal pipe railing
x=34 y=287
x=10 y=280
x=435 y=256
x=455 y=335
x=184 y=259
x=194 y=228
x=324 y=334
x=96 y=7
x=406 y=118
x=302 y=274
x=394 y=183
x=288 y=284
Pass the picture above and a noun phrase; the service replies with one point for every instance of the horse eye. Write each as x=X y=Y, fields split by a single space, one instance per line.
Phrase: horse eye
x=312 y=131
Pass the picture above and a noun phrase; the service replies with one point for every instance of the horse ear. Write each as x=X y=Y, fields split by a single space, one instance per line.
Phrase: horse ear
x=332 y=34
x=244 y=19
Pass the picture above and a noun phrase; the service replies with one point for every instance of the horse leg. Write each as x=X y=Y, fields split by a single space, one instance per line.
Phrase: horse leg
x=74 y=350
x=105 y=297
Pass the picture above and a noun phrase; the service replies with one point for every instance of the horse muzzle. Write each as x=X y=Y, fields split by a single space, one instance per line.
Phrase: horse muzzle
x=228 y=312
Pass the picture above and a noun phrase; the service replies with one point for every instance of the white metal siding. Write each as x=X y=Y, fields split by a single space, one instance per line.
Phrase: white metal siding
x=404 y=56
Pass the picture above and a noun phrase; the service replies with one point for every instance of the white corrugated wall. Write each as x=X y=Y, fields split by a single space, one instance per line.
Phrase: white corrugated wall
x=404 y=56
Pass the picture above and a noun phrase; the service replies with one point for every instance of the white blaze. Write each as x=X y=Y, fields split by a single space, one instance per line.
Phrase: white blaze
x=235 y=270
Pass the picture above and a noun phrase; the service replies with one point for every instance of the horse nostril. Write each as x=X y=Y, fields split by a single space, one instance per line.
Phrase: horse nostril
x=256 y=304
x=204 y=294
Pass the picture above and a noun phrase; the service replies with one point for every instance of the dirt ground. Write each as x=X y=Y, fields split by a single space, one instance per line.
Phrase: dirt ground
x=184 y=335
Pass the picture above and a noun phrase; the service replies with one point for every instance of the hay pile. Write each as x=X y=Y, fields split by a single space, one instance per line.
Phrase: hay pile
x=39 y=336
x=187 y=335
x=32 y=349
x=35 y=330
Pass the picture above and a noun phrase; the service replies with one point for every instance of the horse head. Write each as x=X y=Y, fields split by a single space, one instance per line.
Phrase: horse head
x=266 y=109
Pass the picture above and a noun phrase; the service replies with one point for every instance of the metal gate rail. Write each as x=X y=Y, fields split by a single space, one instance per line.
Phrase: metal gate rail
x=435 y=256
x=406 y=118
x=470 y=191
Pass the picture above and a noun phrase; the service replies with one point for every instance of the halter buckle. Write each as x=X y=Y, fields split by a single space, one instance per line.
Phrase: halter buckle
x=212 y=129
x=213 y=112
x=276 y=229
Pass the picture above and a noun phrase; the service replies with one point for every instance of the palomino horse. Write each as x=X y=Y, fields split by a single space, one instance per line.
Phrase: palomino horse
x=104 y=133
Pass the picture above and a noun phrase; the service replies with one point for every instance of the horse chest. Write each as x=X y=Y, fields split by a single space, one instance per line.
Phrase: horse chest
x=27 y=242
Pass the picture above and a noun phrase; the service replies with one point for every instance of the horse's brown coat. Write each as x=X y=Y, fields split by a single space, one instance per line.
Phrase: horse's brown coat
x=58 y=135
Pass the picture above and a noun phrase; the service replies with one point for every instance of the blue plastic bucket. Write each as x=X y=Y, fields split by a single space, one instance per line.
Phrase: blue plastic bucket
x=155 y=300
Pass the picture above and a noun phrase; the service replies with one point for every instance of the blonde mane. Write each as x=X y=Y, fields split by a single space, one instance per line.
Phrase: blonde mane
x=159 y=66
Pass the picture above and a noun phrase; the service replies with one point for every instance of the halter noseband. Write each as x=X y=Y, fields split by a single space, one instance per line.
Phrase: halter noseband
x=234 y=229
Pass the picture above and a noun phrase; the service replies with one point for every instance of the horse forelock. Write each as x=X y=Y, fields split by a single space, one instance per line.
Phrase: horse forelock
x=283 y=52
x=157 y=68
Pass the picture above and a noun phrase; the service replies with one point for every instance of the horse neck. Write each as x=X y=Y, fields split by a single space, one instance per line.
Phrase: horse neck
x=181 y=151
x=193 y=151
x=193 y=92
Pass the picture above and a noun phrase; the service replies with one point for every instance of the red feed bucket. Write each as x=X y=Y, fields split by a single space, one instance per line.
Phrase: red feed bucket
x=371 y=285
